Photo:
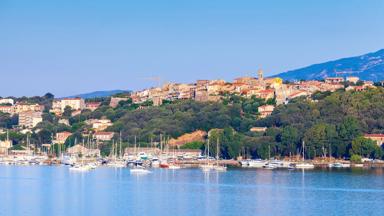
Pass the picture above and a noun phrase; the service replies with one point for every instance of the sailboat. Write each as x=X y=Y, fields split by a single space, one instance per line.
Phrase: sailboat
x=269 y=165
x=303 y=164
x=116 y=162
x=218 y=167
x=80 y=167
x=207 y=167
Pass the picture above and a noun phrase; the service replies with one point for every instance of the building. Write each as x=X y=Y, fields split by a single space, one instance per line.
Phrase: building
x=64 y=121
x=7 y=109
x=99 y=124
x=334 y=80
x=58 y=106
x=92 y=105
x=78 y=150
x=258 y=129
x=74 y=103
x=353 y=79
x=299 y=93
x=355 y=88
x=116 y=100
x=4 y=146
x=61 y=137
x=25 y=107
x=265 y=110
x=378 y=138
x=30 y=119
x=7 y=101
x=103 y=136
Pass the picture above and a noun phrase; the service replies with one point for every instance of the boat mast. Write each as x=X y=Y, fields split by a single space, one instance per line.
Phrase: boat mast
x=120 y=146
x=217 y=151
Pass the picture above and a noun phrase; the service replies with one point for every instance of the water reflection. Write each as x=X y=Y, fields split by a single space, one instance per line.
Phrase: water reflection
x=105 y=191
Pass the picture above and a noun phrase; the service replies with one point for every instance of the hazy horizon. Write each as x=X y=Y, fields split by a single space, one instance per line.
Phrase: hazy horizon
x=73 y=47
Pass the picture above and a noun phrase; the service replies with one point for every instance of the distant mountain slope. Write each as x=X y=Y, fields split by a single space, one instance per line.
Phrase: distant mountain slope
x=367 y=67
x=98 y=94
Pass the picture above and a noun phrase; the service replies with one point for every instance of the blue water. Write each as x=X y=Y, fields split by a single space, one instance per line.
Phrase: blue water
x=53 y=191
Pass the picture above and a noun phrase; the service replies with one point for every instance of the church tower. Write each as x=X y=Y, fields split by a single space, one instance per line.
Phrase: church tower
x=260 y=75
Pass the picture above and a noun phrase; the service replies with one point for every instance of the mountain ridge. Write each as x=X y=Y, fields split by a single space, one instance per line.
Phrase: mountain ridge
x=369 y=66
x=96 y=94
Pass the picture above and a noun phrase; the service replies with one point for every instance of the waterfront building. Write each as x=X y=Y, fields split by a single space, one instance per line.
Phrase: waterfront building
x=378 y=138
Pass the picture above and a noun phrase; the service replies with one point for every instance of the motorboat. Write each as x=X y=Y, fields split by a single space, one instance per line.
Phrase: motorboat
x=174 y=166
x=139 y=170
x=80 y=168
x=258 y=163
x=155 y=162
x=338 y=165
x=270 y=166
x=244 y=163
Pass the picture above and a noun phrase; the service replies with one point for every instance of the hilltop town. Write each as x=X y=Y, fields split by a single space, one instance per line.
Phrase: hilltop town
x=30 y=117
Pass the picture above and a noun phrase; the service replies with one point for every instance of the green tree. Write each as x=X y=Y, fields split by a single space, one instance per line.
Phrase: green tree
x=365 y=147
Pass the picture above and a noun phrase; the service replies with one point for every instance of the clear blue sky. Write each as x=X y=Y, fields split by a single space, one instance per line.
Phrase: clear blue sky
x=76 y=46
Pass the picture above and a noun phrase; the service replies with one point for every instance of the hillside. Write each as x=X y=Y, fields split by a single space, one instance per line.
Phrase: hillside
x=368 y=67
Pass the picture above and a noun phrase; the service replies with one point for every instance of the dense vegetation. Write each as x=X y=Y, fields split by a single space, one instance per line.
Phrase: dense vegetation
x=328 y=124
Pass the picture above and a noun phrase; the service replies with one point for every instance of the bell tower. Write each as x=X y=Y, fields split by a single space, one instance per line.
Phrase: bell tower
x=260 y=75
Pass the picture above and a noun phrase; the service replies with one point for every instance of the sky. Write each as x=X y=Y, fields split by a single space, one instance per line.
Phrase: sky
x=68 y=47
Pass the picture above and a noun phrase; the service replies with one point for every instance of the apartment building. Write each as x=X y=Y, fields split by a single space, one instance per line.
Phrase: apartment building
x=30 y=119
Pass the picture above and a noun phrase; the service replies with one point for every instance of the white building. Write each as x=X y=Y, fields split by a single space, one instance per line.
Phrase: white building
x=58 y=106
x=99 y=124
x=7 y=101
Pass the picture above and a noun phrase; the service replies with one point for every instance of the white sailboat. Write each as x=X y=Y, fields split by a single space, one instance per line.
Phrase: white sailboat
x=80 y=167
x=303 y=164
x=218 y=167
x=269 y=165
x=207 y=167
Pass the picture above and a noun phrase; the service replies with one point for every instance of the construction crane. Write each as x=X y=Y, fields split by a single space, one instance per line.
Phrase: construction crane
x=159 y=80
x=156 y=79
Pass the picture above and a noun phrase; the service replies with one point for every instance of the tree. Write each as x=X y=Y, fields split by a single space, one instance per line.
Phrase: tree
x=67 y=112
x=290 y=139
x=365 y=147
x=355 y=159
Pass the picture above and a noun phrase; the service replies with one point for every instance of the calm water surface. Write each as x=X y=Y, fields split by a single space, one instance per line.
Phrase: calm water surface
x=44 y=190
